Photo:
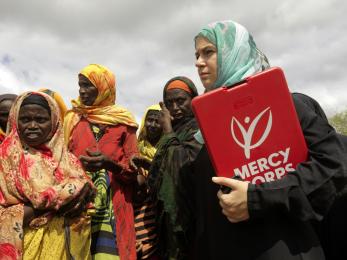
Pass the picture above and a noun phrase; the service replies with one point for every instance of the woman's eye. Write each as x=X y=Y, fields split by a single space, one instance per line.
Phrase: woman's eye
x=181 y=101
x=23 y=119
x=208 y=52
x=41 y=120
x=85 y=86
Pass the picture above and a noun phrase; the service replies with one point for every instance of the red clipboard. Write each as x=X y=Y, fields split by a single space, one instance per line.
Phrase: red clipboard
x=251 y=129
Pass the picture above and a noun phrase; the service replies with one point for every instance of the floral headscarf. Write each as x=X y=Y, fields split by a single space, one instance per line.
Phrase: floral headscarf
x=104 y=110
x=237 y=55
x=47 y=178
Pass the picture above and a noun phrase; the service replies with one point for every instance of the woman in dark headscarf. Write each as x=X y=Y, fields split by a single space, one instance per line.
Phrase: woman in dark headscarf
x=176 y=148
x=270 y=220
x=6 y=102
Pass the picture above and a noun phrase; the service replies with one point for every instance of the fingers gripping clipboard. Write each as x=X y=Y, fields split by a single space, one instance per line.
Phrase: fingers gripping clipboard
x=251 y=129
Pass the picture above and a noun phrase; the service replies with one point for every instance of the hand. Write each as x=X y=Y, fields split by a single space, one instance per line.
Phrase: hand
x=75 y=207
x=234 y=204
x=140 y=191
x=137 y=161
x=95 y=161
x=141 y=180
x=165 y=119
x=29 y=215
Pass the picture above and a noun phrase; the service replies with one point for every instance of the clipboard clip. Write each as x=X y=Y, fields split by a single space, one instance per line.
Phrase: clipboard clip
x=236 y=84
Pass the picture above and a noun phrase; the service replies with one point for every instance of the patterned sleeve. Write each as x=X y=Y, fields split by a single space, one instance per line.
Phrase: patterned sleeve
x=11 y=231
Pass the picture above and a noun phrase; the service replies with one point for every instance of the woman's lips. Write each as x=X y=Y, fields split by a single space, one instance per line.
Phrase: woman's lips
x=204 y=75
x=178 y=115
x=32 y=135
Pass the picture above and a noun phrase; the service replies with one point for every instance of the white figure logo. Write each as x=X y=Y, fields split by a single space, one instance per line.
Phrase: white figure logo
x=247 y=135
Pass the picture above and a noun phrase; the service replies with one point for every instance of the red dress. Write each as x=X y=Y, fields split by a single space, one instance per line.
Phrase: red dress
x=118 y=143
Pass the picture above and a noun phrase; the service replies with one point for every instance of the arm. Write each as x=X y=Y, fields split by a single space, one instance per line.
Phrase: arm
x=174 y=152
x=308 y=192
x=117 y=158
x=11 y=228
x=126 y=173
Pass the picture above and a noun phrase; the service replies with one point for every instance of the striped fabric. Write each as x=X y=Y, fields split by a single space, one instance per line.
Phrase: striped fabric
x=103 y=223
x=145 y=228
x=103 y=244
x=145 y=213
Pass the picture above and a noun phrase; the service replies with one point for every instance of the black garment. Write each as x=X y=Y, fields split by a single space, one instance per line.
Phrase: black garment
x=332 y=229
x=175 y=150
x=280 y=212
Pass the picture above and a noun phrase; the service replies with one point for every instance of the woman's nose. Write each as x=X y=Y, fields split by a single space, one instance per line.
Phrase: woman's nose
x=199 y=62
x=174 y=106
x=82 y=90
x=33 y=124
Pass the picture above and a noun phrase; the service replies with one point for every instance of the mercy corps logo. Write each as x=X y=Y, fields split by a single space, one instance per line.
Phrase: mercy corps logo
x=267 y=168
x=248 y=134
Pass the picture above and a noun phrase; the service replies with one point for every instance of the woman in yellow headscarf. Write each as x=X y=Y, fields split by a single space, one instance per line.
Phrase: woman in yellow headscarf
x=150 y=132
x=57 y=98
x=145 y=209
x=103 y=135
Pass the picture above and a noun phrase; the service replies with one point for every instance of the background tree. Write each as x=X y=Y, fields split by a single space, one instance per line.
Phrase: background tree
x=339 y=121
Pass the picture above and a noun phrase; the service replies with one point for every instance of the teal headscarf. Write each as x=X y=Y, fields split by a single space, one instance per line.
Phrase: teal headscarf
x=238 y=56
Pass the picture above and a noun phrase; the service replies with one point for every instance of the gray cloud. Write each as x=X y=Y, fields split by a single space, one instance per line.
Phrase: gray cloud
x=46 y=43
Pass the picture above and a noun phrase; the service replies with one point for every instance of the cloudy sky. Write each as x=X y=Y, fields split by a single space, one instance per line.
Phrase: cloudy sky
x=146 y=42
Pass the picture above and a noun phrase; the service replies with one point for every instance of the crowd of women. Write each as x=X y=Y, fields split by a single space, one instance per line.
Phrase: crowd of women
x=80 y=184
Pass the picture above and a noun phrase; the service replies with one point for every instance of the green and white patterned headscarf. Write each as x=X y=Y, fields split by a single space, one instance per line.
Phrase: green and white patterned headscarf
x=238 y=56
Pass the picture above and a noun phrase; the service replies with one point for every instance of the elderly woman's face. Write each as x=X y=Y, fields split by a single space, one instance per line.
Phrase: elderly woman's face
x=88 y=92
x=206 y=62
x=178 y=102
x=153 y=127
x=34 y=124
x=5 y=107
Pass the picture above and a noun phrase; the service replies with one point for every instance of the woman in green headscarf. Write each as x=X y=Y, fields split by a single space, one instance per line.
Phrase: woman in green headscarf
x=270 y=220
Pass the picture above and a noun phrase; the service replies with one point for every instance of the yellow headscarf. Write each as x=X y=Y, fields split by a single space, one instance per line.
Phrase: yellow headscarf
x=58 y=99
x=104 y=110
x=145 y=148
